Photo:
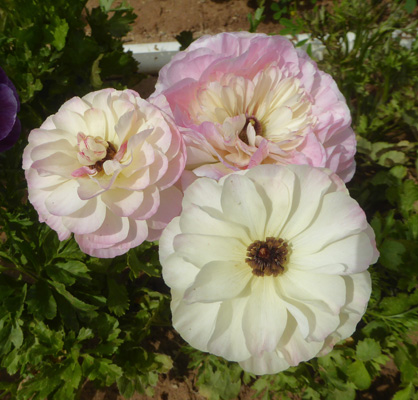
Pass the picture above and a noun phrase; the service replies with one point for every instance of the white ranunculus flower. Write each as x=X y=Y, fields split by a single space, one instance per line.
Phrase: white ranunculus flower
x=267 y=267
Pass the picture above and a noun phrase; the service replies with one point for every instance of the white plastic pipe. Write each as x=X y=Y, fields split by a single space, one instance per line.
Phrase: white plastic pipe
x=153 y=56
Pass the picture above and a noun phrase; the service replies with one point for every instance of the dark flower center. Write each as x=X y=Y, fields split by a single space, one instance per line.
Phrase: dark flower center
x=267 y=257
x=110 y=153
x=257 y=127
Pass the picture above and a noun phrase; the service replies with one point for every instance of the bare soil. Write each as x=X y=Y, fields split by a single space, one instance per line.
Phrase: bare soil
x=162 y=20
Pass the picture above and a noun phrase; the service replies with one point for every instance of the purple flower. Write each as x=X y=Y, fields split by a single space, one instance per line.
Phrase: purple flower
x=9 y=107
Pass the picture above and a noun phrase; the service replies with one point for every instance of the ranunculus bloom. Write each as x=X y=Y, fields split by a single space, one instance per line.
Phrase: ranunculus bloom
x=267 y=267
x=103 y=168
x=9 y=107
x=244 y=99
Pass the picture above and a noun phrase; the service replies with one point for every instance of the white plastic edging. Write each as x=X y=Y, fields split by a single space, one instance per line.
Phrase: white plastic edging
x=153 y=56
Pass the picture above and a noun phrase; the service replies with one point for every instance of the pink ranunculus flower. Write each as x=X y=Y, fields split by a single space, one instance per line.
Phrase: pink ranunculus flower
x=103 y=167
x=244 y=99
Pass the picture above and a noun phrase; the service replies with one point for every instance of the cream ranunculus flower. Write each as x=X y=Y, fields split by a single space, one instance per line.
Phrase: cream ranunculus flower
x=103 y=167
x=267 y=267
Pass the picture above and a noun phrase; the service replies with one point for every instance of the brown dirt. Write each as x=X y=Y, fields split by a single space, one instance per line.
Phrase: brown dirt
x=162 y=20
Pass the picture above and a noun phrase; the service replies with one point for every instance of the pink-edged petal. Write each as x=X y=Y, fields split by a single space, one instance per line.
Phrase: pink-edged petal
x=113 y=230
x=169 y=207
x=122 y=202
x=37 y=198
x=149 y=205
x=136 y=235
x=87 y=219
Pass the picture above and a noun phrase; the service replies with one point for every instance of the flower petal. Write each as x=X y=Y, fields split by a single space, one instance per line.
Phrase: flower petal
x=242 y=204
x=265 y=317
x=218 y=281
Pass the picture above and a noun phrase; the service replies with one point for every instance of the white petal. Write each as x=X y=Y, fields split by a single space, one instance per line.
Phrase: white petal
x=265 y=317
x=243 y=204
x=339 y=216
x=64 y=199
x=277 y=184
x=178 y=274
x=308 y=190
x=209 y=221
x=203 y=192
x=166 y=248
x=350 y=255
x=188 y=321
x=295 y=348
x=268 y=363
x=201 y=249
x=218 y=281
x=328 y=291
x=228 y=339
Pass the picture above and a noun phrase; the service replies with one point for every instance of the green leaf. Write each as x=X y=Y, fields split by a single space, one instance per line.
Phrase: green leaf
x=368 y=349
x=84 y=334
x=391 y=252
x=392 y=157
x=126 y=386
x=409 y=196
x=118 y=300
x=41 y=302
x=12 y=362
x=60 y=33
x=137 y=265
x=16 y=335
x=72 y=374
x=410 y=6
x=95 y=79
x=405 y=393
x=395 y=305
x=77 y=303
x=359 y=375
x=76 y=268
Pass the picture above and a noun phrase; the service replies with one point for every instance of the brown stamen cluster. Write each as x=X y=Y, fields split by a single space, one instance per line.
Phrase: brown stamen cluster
x=267 y=257
x=110 y=153
x=257 y=127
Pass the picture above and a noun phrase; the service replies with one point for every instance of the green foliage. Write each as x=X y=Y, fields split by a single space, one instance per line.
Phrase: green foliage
x=257 y=18
x=47 y=53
